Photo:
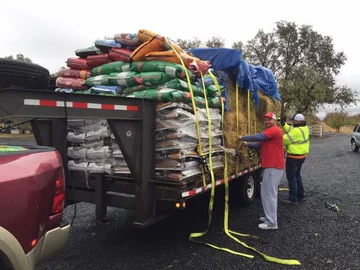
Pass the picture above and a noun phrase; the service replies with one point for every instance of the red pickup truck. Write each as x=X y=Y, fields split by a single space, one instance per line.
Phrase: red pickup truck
x=32 y=194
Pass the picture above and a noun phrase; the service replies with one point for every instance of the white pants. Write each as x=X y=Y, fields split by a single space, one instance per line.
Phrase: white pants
x=269 y=194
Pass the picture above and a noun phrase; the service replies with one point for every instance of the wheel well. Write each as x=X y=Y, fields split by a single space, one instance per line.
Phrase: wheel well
x=5 y=263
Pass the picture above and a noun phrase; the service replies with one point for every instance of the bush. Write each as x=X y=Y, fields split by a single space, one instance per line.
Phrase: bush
x=337 y=120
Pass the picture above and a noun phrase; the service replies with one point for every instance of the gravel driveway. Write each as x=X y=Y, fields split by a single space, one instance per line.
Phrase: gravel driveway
x=320 y=238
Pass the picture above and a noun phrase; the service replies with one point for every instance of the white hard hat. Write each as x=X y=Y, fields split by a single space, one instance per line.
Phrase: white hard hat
x=299 y=117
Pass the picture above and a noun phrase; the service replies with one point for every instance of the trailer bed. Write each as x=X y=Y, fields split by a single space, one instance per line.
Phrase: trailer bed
x=132 y=121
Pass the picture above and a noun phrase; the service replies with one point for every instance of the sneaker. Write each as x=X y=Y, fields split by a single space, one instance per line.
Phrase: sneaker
x=303 y=199
x=290 y=202
x=262 y=219
x=265 y=226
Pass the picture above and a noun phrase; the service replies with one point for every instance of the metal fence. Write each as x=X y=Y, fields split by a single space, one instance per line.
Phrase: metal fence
x=316 y=130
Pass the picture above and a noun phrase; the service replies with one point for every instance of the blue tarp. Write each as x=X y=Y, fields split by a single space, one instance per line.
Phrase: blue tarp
x=222 y=59
x=257 y=78
x=249 y=77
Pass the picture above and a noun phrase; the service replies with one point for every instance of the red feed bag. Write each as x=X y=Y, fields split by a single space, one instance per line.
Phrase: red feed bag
x=75 y=73
x=77 y=63
x=72 y=83
x=120 y=55
x=97 y=60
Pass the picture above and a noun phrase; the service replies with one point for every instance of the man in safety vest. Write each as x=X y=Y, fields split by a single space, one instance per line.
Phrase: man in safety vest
x=271 y=146
x=297 y=145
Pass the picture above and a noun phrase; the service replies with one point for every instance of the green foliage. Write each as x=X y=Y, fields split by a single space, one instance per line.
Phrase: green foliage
x=353 y=120
x=19 y=57
x=189 y=44
x=337 y=120
x=305 y=64
x=57 y=73
x=215 y=42
x=239 y=45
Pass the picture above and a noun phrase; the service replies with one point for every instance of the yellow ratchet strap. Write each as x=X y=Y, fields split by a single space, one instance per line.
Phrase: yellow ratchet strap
x=237 y=117
x=199 y=147
x=212 y=195
x=226 y=212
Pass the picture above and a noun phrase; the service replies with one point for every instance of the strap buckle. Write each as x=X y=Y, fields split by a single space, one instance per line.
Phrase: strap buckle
x=204 y=163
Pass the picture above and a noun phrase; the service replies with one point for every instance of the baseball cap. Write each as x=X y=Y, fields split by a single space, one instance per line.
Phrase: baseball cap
x=299 y=117
x=270 y=115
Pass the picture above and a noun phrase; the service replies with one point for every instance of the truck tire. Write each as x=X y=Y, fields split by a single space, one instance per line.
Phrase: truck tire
x=5 y=264
x=14 y=73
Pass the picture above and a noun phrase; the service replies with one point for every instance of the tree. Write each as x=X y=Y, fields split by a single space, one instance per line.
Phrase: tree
x=190 y=43
x=19 y=57
x=305 y=64
x=354 y=119
x=336 y=120
x=238 y=45
x=215 y=42
x=58 y=73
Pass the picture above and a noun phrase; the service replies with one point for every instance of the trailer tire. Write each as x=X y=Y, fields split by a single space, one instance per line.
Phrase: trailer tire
x=259 y=177
x=243 y=190
x=23 y=74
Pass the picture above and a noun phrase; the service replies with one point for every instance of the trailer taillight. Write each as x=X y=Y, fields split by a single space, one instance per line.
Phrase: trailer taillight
x=59 y=196
x=180 y=205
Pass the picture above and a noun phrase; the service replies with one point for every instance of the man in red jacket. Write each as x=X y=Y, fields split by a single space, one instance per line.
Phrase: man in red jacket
x=271 y=146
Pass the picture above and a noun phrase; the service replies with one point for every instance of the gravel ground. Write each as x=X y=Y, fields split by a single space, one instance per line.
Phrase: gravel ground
x=320 y=238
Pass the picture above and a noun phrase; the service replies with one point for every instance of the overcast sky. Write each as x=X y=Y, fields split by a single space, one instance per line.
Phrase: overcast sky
x=50 y=31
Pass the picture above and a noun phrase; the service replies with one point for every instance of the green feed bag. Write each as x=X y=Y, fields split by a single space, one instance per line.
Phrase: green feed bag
x=184 y=86
x=114 y=67
x=151 y=78
x=200 y=102
x=136 y=88
x=212 y=91
x=122 y=78
x=214 y=102
x=160 y=95
x=171 y=69
x=98 y=80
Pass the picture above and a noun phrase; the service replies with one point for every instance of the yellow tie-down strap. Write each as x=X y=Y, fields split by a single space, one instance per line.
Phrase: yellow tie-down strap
x=212 y=195
x=228 y=232
x=197 y=125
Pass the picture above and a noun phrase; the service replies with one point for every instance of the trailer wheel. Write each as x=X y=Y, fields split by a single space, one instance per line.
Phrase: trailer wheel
x=259 y=177
x=23 y=74
x=243 y=190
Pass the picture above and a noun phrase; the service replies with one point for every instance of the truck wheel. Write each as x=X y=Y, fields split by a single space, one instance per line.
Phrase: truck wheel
x=243 y=190
x=354 y=148
x=23 y=74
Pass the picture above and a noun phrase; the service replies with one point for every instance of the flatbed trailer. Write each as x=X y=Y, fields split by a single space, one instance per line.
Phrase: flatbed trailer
x=132 y=121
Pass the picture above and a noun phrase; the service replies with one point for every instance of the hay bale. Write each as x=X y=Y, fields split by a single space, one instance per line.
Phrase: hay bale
x=266 y=104
x=230 y=121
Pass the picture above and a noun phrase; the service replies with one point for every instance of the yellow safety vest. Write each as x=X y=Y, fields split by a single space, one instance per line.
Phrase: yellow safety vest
x=296 y=140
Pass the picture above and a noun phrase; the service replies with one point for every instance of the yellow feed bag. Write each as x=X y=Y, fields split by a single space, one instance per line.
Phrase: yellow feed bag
x=150 y=46
x=146 y=35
